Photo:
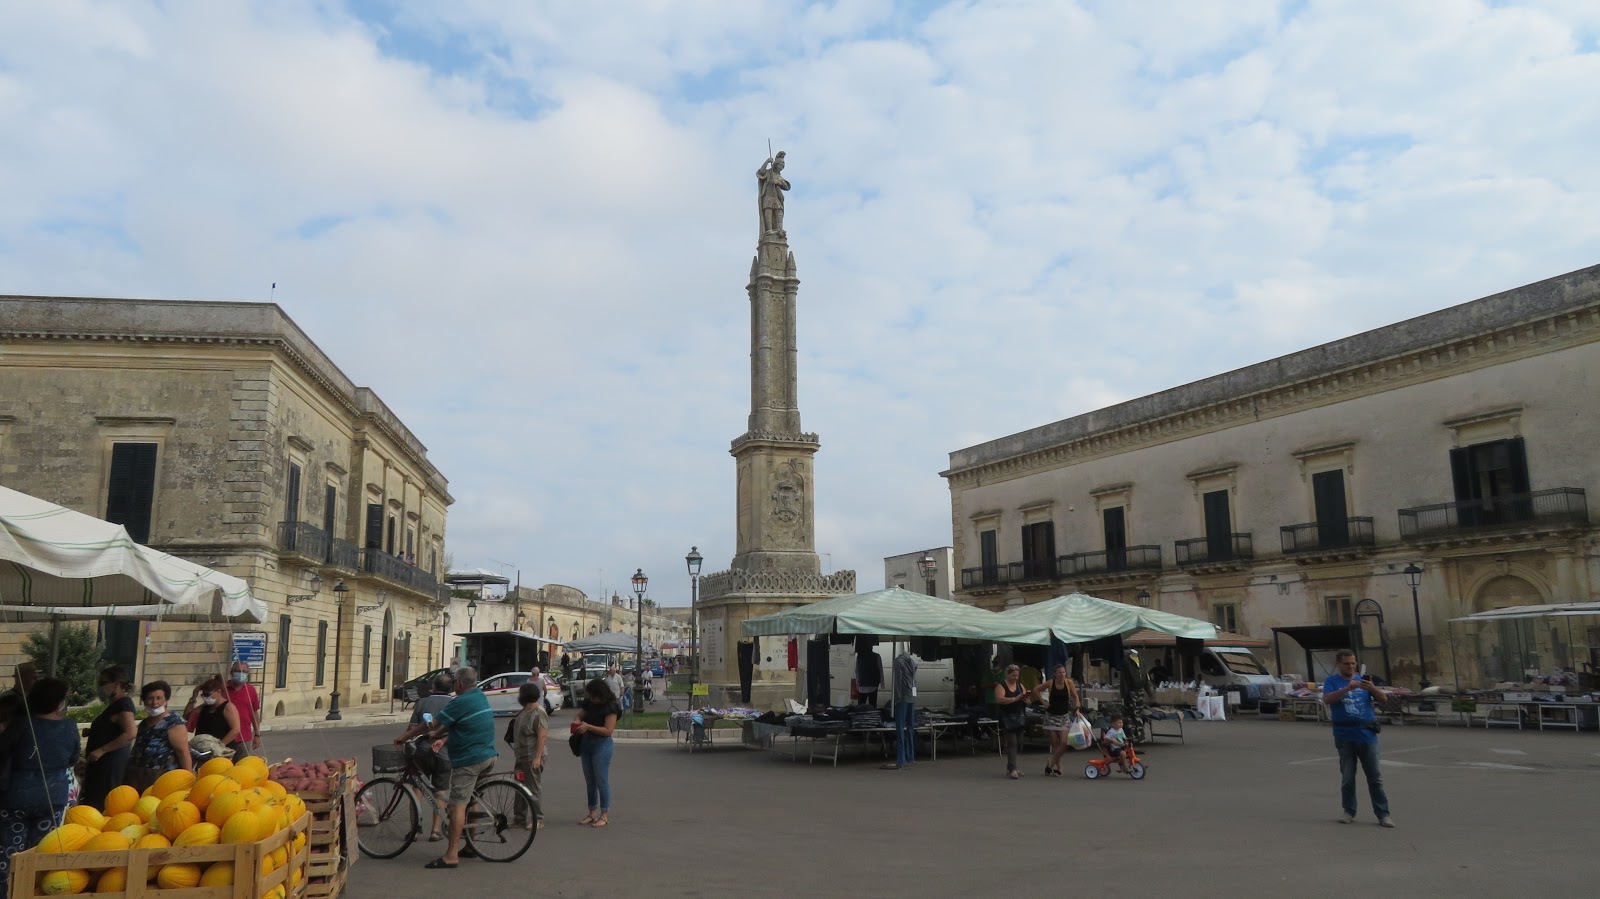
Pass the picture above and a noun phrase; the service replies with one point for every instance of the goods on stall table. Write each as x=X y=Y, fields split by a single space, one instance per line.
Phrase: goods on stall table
x=326 y=788
x=189 y=831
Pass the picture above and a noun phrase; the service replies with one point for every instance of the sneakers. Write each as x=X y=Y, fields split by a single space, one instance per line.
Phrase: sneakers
x=1386 y=821
x=1347 y=819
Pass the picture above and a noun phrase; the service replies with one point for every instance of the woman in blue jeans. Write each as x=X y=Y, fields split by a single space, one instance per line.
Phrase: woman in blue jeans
x=597 y=719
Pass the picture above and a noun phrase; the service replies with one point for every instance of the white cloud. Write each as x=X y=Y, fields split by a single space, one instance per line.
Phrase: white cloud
x=528 y=227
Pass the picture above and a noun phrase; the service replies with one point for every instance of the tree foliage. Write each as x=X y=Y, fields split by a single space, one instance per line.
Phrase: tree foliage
x=79 y=657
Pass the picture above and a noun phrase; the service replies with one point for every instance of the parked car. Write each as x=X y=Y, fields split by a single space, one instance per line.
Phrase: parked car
x=502 y=689
x=656 y=668
x=422 y=683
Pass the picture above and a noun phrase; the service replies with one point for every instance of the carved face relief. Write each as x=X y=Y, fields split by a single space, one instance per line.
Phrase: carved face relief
x=788 y=493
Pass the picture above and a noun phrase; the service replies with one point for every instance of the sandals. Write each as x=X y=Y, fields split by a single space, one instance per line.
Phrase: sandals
x=601 y=821
x=1014 y=775
x=439 y=863
x=588 y=820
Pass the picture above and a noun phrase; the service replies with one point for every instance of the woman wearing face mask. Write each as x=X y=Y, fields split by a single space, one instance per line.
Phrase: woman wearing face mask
x=215 y=716
x=244 y=697
x=39 y=751
x=110 y=736
x=162 y=742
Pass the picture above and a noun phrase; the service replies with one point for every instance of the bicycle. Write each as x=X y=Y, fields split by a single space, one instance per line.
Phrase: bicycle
x=388 y=819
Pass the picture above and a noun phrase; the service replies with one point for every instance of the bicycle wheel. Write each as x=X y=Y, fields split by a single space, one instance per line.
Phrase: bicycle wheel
x=502 y=822
x=386 y=818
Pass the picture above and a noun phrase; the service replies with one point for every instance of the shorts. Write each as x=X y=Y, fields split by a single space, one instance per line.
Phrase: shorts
x=1057 y=722
x=465 y=779
x=435 y=766
x=1116 y=752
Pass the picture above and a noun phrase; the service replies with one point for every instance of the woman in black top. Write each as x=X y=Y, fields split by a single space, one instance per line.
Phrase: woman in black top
x=598 y=718
x=1012 y=698
x=1062 y=710
x=110 y=735
x=216 y=716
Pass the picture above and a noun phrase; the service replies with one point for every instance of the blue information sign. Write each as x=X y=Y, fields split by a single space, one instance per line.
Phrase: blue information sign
x=251 y=648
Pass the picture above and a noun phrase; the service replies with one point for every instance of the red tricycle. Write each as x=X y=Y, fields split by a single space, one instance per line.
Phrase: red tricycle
x=1101 y=767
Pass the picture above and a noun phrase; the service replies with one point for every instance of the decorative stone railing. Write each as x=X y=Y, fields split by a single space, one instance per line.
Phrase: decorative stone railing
x=779 y=583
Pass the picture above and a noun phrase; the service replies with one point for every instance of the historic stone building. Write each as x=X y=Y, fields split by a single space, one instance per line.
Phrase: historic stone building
x=775 y=566
x=1287 y=492
x=905 y=571
x=221 y=433
x=555 y=612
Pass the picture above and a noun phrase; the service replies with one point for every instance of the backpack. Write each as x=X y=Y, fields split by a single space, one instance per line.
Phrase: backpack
x=511 y=730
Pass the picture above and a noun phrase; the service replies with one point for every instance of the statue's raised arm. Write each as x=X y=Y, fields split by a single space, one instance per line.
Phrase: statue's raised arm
x=771 y=187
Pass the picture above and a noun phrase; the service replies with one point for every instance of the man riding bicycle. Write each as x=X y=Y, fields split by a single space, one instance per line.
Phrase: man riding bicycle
x=436 y=765
x=464 y=727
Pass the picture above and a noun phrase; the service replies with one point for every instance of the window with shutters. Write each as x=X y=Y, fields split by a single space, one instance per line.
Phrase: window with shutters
x=291 y=495
x=1491 y=483
x=322 y=651
x=1114 y=524
x=330 y=510
x=388 y=540
x=366 y=654
x=1226 y=616
x=281 y=677
x=1337 y=610
x=989 y=556
x=1039 y=549
x=131 y=488
x=374 y=535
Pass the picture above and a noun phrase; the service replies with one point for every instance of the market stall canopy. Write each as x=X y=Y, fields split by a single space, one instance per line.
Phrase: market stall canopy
x=524 y=635
x=1147 y=637
x=1556 y=609
x=611 y=641
x=895 y=612
x=55 y=562
x=1079 y=618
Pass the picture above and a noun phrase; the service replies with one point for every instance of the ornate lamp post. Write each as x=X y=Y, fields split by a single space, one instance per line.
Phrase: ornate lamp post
x=472 y=612
x=929 y=568
x=339 y=590
x=444 y=642
x=694 y=559
x=639 y=583
x=1143 y=597
x=1414 y=578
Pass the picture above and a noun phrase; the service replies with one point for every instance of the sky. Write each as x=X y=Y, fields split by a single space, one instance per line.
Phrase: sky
x=528 y=227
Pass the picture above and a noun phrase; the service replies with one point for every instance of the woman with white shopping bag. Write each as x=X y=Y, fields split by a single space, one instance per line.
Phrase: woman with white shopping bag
x=1059 y=715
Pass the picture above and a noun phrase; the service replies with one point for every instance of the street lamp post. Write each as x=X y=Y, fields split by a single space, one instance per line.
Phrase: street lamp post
x=339 y=590
x=1414 y=577
x=639 y=583
x=472 y=612
x=694 y=559
x=444 y=642
x=929 y=568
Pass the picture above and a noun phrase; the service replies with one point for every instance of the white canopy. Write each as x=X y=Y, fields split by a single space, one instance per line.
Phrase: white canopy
x=1553 y=609
x=57 y=562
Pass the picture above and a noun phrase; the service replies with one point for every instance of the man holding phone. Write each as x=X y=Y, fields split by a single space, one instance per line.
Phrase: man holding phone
x=1349 y=697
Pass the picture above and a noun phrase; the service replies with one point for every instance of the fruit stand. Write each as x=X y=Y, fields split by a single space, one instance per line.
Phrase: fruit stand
x=228 y=833
x=328 y=790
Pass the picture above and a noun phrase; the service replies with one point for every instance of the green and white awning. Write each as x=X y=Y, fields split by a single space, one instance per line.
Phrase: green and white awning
x=1079 y=618
x=894 y=612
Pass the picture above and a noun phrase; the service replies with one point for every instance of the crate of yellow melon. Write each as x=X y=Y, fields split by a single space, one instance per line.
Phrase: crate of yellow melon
x=172 y=845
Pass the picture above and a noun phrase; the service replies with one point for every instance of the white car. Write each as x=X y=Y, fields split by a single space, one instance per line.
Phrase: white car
x=502 y=690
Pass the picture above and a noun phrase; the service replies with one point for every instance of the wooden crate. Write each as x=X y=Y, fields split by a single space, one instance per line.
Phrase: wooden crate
x=330 y=888
x=27 y=867
x=332 y=812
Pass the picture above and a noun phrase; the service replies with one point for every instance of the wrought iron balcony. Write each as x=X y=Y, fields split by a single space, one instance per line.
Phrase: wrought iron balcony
x=298 y=538
x=344 y=554
x=985 y=576
x=396 y=571
x=1541 y=509
x=1146 y=557
x=1352 y=534
x=1198 y=551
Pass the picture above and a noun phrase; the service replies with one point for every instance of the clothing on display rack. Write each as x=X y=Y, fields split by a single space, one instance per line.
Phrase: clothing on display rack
x=747 y=666
x=817 y=671
x=793 y=651
x=869 y=672
x=866 y=643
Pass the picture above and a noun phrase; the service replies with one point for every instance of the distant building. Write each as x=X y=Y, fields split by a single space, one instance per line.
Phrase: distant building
x=906 y=571
x=1287 y=492
x=221 y=433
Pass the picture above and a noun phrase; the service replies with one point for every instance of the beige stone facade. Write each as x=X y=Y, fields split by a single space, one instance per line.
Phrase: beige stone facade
x=1288 y=492
x=557 y=612
x=268 y=463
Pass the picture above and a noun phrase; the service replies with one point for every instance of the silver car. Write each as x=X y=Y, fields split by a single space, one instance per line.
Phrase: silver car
x=502 y=689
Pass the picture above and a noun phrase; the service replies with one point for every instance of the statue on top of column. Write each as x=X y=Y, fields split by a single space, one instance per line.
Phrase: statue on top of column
x=772 y=186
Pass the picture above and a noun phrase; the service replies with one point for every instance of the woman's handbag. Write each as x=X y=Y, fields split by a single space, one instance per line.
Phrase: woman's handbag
x=576 y=740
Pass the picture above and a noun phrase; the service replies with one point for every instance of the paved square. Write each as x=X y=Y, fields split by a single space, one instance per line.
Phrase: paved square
x=1245 y=808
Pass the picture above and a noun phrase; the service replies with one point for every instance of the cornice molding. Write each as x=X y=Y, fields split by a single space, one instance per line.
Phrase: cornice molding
x=1563 y=330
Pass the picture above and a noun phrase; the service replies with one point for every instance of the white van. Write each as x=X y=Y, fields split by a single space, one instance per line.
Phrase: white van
x=936 y=681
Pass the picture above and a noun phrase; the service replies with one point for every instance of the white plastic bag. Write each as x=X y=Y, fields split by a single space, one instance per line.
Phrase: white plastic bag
x=1079 y=734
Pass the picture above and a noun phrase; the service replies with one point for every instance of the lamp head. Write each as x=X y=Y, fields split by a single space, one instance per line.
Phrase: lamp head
x=1413 y=574
x=639 y=582
x=694 y=559
x=1144 y=597
x=316 y=583
x=928 y=566
x=340 y=588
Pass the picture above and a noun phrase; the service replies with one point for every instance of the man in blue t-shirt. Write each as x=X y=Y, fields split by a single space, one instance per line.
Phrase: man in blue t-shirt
x=1349 y=700
x=468 y=726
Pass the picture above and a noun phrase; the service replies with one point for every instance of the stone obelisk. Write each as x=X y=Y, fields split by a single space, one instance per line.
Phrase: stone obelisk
x=776 y=565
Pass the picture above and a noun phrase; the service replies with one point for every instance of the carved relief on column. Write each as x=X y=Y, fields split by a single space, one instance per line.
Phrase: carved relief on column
x=790 y=509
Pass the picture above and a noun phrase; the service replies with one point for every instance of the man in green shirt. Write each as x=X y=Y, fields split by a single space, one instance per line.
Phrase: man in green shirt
x=467 y=724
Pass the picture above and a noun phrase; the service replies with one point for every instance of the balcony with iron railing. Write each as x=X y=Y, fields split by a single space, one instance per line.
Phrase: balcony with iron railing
x=398 y=572
x=1345 y=536
x=1109 y=563
x=1559 y=508
x=1229 y=552
x=344 y=555
x=306 y=541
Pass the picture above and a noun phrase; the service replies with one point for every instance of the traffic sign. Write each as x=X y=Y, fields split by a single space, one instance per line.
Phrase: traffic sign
x=250 y=647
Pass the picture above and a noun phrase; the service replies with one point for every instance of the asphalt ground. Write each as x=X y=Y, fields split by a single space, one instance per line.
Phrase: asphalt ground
x=1244 y=808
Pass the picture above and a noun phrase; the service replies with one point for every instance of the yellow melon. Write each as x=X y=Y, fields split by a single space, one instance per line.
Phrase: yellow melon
x=171 y=782
x=200 y=793
x=171 y=799
x=278 y=790
x=274 y=893
x=178 y=876
x=64 y=883
x=280 y=857
x=249 y=771
x=134 y=831
x=224 y=806
x=112 y=880
x=216 y=766
x=219 y=874
x=177 y=818
x=294 y=878
x=121 y=799
x=203 y=833
x=298 y=844
x=66 y=838
x=152 y=841
x=86 y=815
x=145 y=808
x=110 y=841
x=120 y=820
x=242 y=827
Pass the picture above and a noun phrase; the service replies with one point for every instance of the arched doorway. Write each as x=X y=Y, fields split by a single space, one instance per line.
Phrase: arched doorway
x=1506 y=650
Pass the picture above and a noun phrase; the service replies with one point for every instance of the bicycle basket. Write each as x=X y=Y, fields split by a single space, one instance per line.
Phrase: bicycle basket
x=388 y=759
